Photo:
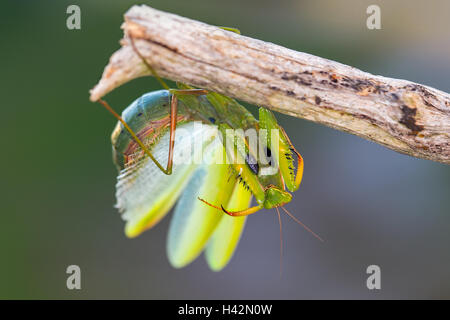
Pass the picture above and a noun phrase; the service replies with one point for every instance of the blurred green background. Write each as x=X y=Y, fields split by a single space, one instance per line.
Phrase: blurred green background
x=372 y=205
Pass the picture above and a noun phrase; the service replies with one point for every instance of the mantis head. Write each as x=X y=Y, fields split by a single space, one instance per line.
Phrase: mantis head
x=275 y=197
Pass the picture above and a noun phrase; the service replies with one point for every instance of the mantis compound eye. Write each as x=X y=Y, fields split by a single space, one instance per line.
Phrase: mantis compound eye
x=252 y=163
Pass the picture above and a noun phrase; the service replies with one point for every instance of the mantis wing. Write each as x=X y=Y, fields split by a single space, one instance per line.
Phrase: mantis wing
x=225 y=238
x=194 y=222
x=144 y=193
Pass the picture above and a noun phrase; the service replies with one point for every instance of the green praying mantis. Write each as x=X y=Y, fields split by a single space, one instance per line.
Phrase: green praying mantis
x=213 y=196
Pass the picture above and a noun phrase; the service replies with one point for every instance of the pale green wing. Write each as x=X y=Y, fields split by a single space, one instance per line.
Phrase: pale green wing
x=194 y=221
x=144 y=193
x=223 y=242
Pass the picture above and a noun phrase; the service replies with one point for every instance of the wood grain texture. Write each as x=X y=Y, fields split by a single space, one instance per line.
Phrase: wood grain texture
x=404 y=116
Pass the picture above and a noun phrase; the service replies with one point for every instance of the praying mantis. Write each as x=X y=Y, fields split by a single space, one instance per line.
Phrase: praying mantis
x=214 y=195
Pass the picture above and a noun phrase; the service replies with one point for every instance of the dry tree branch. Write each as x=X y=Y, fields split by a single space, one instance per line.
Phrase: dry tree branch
x=407 y=117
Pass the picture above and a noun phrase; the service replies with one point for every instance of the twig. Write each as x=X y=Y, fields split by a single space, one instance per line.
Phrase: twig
x=401 y=115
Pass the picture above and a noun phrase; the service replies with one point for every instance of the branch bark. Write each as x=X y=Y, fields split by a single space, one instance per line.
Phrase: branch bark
x=404 y=116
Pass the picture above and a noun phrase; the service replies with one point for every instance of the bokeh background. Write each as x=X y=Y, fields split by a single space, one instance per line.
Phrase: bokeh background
x=372 y=205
